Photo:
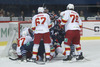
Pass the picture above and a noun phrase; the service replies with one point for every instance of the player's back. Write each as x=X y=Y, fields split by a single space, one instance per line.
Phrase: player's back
x=73 y=20
x=24 y=40
x=41 y=22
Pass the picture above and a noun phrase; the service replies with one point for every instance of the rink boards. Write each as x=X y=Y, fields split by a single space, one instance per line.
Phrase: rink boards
x=91 y=31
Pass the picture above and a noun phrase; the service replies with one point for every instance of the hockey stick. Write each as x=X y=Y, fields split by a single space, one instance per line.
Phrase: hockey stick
x=89 y=28
x=43 y=4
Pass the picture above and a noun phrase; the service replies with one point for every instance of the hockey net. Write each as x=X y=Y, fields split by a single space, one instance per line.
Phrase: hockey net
x=15 y=29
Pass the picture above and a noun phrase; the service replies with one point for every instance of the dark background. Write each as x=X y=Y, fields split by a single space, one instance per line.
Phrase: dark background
x=89 y=7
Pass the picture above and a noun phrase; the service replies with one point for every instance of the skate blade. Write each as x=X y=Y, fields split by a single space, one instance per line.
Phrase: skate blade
x=83 y=60
x=40 y=62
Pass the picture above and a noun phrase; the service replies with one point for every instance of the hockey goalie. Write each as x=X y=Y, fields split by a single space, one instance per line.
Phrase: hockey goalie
x=19 y=50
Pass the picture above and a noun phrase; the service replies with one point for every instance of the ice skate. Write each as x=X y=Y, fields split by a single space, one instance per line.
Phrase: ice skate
x=69 y=57
x=24 y=59
x=80 y=57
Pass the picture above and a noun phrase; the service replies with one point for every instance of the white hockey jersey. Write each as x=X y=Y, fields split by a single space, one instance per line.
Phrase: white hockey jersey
x=71 y=20
x=41 y=23
x=22 y=41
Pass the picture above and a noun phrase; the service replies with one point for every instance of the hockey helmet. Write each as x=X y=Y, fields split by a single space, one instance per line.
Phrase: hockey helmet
x=40 y=9
x=70 y=6
x=14 y=46
x=24 y=33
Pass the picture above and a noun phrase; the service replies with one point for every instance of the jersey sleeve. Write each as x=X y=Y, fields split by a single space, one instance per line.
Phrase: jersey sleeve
x=64 y=18
x=29 y=38
x=33 y=24
x=49 y=22
x=80 y=22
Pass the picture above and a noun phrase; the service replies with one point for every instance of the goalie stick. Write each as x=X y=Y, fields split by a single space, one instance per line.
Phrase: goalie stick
x=43 y=4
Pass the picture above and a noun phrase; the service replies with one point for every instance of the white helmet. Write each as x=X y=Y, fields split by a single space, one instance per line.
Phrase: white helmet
x=70 y=6
x=25 y=32
x=40 y=9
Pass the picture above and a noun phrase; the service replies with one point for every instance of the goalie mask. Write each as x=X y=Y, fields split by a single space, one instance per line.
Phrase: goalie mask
x=14 y=46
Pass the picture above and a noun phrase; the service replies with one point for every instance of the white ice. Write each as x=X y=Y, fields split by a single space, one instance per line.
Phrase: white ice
x=90 y=48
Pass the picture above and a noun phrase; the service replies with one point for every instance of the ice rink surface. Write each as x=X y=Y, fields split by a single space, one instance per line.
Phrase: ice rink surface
x=90 y=48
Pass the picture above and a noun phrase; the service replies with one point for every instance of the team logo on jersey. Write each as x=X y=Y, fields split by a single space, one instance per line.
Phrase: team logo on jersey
x=65 y=40
x=63 y=15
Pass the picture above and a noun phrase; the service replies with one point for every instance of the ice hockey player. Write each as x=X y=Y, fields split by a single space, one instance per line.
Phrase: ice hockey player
x=25 y=47
x=72 y=23
x=62 y=34
x=40 y=25
x=25 y=44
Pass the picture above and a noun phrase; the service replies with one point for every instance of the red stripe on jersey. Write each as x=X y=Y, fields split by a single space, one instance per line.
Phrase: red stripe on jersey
x=50 y=26
x=47 y=53
x=67 y=49
x=33 y=28
x=61 y=26
x=35 y=53
x=64 y=21
x=79 y=48
x=53 y=50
